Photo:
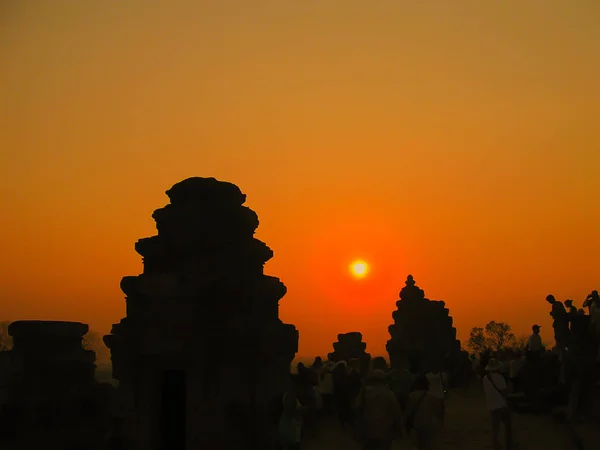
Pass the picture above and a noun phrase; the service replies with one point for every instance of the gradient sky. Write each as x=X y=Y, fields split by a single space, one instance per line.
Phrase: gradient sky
x=455 y=140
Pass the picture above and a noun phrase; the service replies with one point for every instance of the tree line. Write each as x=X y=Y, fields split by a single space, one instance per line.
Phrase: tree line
x=495 y=336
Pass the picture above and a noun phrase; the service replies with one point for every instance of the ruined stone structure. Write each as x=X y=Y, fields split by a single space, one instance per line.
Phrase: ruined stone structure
x=202 y=354
x=422 y=335
x=50 y=371
x=350 y=346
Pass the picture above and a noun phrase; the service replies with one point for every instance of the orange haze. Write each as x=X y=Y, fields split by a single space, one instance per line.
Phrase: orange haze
x=456 y=141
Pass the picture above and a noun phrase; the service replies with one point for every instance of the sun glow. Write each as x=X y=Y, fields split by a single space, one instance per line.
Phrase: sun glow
x=359 y=268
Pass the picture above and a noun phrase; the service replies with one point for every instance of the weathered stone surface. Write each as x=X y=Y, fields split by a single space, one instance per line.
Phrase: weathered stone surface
x=203 y=308
x=422 y=335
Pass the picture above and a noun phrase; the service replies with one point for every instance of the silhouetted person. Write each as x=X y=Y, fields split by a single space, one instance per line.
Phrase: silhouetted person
x=307 y=396
x=571 y=310
x=315 y=370
x=342 y=394
x=579 y=327
x=534 y=344
x=495 y=389
x=421 y=416
x=514 y=373
x=561 y=322
x=379 y=363
x=290 y=423
x=592 y=302
x=380 y=411
x=401 y=381
x=354 y=379
x=326 y=387
x=484 y=358
x=437 y=390
x=304 y=380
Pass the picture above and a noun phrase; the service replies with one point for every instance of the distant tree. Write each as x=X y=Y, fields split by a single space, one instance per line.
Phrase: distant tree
x=93 y=341
x=495 y=336
x=520 y=342
x=5 y=338
x=499 y=335
x=478 y=342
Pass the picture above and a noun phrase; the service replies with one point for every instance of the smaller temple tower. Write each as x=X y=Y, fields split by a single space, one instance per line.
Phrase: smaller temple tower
x=350 y=346
x=422 y=335
x=50 y=371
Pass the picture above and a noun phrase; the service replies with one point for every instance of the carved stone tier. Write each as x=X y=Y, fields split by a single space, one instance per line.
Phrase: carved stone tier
x=202 y=340
x=422 y=335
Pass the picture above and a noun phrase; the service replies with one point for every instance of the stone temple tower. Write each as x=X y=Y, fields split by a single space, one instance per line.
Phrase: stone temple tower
x=351 y=346
x=202 y=355
x=422 y=335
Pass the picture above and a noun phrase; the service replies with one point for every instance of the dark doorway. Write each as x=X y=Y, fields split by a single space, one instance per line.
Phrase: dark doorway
x=173 y=411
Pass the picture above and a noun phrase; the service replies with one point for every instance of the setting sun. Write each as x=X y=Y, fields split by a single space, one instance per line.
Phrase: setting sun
x=359 y=269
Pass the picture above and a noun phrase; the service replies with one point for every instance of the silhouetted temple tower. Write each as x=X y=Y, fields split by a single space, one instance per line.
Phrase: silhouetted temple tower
x=422 y=335
x=50 y=370
x=351 y=346
x=202 y=353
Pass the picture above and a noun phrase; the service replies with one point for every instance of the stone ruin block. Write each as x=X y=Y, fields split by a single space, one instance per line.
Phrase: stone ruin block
x=202 y=354
x=422 y=335
x=350 y=346
x=50 y=373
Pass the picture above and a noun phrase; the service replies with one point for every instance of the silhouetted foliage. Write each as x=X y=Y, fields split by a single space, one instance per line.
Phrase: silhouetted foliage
x=495 y=336
x=499 y=334
x=520 y=342
x=5 y=339
x=477 y=340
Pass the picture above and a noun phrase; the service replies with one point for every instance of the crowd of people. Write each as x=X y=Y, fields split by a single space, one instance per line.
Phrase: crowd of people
x=377 y=407
x=381 y=404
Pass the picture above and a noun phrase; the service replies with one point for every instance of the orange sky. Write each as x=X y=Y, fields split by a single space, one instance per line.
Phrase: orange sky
x=457 y=141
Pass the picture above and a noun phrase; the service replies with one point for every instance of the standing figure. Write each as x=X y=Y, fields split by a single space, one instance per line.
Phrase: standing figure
x=290 y=423
x=534 y=344
x=495 y=389
x=561 y=322
x=307 y=396
x=421 y=417
x=354 y=379
x=571 y=310
x=592 y=302
x=574 y=322
x=401 y=381
x=342 y=394
x=326 y=387
x=380 y=412
x=438 y=383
